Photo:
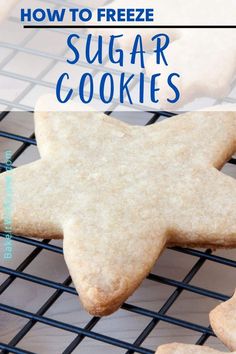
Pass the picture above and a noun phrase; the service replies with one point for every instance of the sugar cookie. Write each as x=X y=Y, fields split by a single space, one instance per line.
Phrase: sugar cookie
x=223 y=322
x=119 y=194
x=204 y=58
x=5 y=7
x=177 y=348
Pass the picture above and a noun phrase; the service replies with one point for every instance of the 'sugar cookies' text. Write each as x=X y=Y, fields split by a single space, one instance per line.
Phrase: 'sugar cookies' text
x=120 y=84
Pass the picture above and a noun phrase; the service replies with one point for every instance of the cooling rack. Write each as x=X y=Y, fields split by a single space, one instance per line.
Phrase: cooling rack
x=89 y=330
x=154 y=317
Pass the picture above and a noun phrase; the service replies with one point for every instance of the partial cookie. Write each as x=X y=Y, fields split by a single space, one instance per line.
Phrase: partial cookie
x=5 y=7
x=167 y=12
x=129 y=34
x=119 y=194
x=204 y=58
x=200 y=74
x=177 y=348
x=223 y=322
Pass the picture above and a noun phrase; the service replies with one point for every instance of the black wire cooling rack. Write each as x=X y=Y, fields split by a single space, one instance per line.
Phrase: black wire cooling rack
x=64 y=287
x=89 y=328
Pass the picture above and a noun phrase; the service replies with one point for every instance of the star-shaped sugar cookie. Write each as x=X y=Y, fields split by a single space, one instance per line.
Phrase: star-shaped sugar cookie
x=223 y=322
x=119 y=194
x=204 y=58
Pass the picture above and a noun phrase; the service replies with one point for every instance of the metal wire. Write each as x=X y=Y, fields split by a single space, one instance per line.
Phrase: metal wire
x=65 y=287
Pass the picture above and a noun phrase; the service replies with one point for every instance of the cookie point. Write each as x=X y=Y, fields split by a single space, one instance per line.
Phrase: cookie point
x=98 y=303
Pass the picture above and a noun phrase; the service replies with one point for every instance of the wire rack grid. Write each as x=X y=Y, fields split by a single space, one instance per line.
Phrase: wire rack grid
x=60 y=288
x=89 y=329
